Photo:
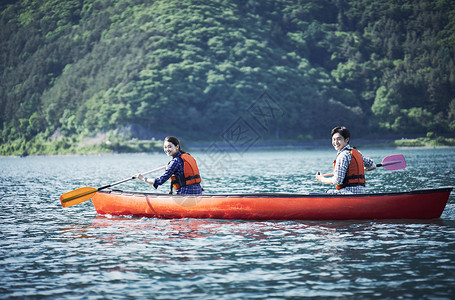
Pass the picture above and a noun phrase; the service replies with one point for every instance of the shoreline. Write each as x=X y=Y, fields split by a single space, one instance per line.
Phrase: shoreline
x=222 y=146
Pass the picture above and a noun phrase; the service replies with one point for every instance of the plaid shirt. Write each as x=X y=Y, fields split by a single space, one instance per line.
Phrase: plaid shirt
x=175 y=167
x=341 y=168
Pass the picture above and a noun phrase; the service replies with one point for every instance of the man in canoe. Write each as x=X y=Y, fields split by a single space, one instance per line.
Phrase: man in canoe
x=349 y=166
x=182 y=170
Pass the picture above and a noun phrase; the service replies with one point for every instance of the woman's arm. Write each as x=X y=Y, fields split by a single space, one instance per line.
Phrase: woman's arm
x=170 y=170
x=145 y=179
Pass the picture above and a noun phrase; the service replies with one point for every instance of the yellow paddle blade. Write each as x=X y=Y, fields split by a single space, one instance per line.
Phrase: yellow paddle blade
x=77 y=196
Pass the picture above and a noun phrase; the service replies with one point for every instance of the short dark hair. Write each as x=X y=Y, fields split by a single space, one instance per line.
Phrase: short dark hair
x=343 y=131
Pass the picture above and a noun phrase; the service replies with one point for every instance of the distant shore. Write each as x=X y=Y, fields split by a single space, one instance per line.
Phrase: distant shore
x=153 y=146
x=320 y=144
x=281 y=145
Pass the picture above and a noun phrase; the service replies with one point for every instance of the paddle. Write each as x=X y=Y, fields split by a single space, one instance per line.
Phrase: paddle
x=83 y=194
x=391 y=163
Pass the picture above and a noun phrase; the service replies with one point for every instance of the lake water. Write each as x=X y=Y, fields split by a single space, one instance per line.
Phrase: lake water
x=47 y=251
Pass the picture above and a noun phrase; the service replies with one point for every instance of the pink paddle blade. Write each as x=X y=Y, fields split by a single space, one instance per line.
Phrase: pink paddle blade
x=394 y=162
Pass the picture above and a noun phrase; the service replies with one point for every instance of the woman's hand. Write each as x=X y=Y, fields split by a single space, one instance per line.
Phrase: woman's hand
x=144 y=179
x=138 y=176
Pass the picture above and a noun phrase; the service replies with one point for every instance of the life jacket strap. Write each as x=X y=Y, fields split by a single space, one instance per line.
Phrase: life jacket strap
x=192 y=177
x=182 y=180
x=356 y=177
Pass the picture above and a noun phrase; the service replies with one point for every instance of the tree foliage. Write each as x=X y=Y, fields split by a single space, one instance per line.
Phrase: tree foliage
x=190 y=68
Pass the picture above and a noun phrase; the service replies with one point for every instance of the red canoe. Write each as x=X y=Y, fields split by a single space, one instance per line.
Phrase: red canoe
x=419 y=204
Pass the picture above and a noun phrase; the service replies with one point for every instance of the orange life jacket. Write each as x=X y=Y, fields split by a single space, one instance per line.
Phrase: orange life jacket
x=190 y=173
x=356 y=172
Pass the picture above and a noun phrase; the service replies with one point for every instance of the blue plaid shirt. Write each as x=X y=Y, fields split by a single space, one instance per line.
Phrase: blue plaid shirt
x=175 y=167
x=341 y=168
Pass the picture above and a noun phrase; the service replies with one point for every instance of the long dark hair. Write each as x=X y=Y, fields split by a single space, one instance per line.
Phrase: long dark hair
x=175 y=141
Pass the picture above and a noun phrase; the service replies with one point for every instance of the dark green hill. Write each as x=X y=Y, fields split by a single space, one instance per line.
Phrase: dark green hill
x=133 y=68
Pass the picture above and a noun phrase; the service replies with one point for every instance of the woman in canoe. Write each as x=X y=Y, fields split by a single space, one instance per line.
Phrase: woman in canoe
x=182 y=170
x=349 y=166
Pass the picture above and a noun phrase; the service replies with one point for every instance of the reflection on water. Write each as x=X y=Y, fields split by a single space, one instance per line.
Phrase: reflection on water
x=48 y=251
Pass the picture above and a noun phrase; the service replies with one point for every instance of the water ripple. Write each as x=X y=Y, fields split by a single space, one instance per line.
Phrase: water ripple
x=50 y=252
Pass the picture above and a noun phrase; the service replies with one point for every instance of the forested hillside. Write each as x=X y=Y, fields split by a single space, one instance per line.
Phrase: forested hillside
x=70 y=69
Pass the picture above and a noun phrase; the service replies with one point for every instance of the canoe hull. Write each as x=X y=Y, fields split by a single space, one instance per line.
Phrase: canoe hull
x=420 y=204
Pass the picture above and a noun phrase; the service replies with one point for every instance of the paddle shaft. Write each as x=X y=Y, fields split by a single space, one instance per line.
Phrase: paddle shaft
x=377 y=166
x=85 y=193
x=130 y=178
x=331 y=174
